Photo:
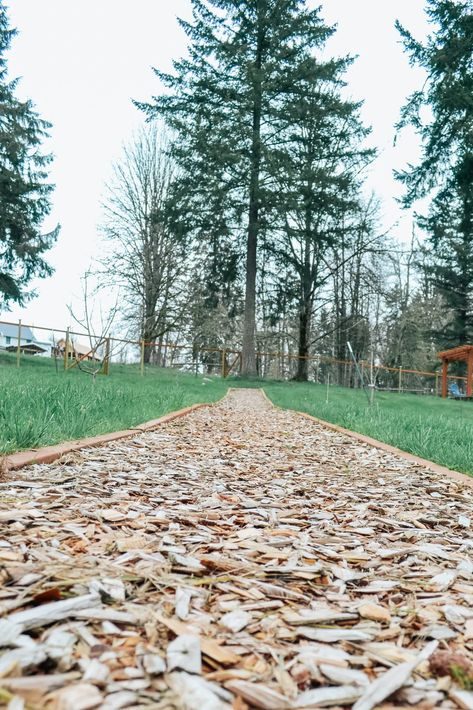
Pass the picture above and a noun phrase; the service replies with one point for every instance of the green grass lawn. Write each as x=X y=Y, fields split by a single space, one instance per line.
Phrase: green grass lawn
x=40 y=405
x=436 y=429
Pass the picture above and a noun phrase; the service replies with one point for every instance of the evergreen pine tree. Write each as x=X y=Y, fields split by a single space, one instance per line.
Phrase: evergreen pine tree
x=316 y=171
x=245 y=60
x=449 y=225
x=24 y=194
x=442 y=114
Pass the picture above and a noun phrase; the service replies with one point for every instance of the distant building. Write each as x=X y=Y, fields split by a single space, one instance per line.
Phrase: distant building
x=28 y=343
x=75 y=351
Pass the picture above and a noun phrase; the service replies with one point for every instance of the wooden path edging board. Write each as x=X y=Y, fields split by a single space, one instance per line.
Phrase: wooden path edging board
x=362 y=438
x=49 y=454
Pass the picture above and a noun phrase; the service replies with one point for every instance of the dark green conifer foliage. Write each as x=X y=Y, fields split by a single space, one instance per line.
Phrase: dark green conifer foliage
x=317 y=172
x=442 y=114
x=24 y=192
x=246 y=58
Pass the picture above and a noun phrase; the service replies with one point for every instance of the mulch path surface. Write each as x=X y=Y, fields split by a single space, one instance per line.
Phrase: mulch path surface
x=241 y=557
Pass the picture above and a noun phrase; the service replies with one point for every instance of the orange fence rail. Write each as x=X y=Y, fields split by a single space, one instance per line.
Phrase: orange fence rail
x=220 y=360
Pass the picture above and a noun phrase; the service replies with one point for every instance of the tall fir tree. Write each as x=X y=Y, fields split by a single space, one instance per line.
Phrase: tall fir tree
x=442 y=114
x=449 y=225
x=24 y=191
x=316 y=172
x=245 y=60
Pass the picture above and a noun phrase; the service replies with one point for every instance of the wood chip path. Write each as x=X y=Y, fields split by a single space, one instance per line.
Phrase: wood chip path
x=241 y=557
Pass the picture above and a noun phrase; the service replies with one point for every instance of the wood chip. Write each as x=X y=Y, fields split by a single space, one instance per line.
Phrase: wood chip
x=184 y=653
x=235 y=620
x=328 y=697
x=195 y=693
x=82 y=696
x=387 y=684
x=374 y=612
x=462 y=698
x=55 y=611
x=259 y=696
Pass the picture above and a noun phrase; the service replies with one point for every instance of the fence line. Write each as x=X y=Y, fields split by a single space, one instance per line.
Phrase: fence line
x=216 y=360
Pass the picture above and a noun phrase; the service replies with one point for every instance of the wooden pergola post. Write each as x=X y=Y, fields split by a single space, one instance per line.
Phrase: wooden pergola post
x=469 y=373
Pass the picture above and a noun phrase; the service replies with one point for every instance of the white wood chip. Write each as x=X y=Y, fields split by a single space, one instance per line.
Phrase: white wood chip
x=392 y=680
x=94 y=671
x=181 y=603
x=55 y=611
x=194 y=693
x=22 y=658
x=83 y=696
x=441 y=582
x=112 y=515
x=190 y=563
x=121 y=699
x=462 y=698
x=235 y=620
x=184 y=653
x=106 y=613
x=259 y=695
x=335 y=635
x=328 y=697
x=9 y=632
x=344 y=676
x=322 y=616
x=113 y=588
x=154 y=664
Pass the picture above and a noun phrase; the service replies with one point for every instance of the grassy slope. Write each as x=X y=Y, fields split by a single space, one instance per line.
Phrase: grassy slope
x=39 y=405
x=439 y=430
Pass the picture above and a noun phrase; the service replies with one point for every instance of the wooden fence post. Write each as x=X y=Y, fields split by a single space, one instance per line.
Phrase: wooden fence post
x=106 y=360
x=399 y=386
x=18 y=345
x=66 y=349
x=224 y=374
x=142 y=358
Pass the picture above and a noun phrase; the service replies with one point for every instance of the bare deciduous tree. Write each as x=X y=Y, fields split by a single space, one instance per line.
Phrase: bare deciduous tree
x=100 y=348
x=146 y=256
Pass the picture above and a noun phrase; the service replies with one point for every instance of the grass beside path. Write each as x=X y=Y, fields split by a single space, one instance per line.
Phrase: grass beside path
x=436 y=429
x=41 y=406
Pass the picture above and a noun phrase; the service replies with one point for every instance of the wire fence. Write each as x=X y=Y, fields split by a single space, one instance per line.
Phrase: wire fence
x=99 y=353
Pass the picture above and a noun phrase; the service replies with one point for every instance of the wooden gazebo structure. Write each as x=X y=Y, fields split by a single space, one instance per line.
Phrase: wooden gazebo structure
x=462 y=353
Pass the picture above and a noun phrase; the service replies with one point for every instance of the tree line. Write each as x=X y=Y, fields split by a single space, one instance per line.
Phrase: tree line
x=239 y=215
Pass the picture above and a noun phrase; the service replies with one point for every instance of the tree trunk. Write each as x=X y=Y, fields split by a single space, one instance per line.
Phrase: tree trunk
x=248 y=357
x=305 y=307
x=147 y=353
x=302 y=374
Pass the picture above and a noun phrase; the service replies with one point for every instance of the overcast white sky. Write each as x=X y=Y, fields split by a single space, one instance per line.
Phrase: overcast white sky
x=82 y=61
